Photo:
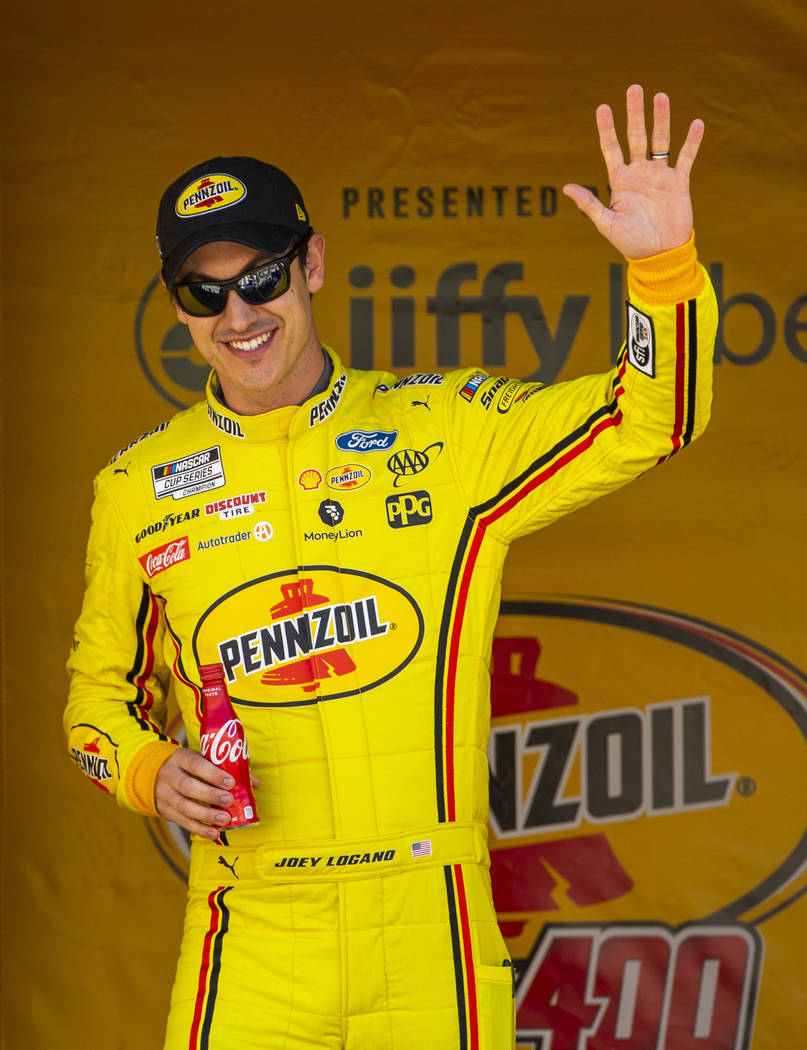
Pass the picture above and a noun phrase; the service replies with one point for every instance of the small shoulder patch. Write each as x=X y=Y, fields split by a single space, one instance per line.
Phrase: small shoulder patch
x=641 y=341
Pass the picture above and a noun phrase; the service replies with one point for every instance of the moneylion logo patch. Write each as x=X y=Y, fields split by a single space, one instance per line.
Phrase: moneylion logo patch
x=210 y=193
x=316 y=634
x=617 y=801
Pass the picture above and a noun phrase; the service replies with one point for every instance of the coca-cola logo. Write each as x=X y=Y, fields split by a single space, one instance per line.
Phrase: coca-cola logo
x=226 y=745
x=162 y=558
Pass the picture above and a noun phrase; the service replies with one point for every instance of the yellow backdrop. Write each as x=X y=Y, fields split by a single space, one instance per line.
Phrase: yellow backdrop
x=659 y=632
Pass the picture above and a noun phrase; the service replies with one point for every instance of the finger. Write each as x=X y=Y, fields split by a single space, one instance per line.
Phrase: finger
x=660 y=142
x=587 y=203
x=198 y=791
x=197 y=819
x=192 y=762
x=637 y=135
x=609 y=143
x=689 y=150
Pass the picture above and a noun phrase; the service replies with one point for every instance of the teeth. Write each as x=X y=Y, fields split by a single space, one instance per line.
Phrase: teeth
x=251 y=344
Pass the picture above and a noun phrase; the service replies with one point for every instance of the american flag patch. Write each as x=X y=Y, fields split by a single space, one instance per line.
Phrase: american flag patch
x=422 y=849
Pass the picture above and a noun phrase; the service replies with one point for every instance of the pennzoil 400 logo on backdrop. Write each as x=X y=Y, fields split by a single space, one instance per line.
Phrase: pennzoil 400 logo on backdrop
x=309 y=635
x=641 y=837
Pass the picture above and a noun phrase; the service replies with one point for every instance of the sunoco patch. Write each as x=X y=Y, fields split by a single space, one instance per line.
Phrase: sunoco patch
x=195 y=473
x=641 y=342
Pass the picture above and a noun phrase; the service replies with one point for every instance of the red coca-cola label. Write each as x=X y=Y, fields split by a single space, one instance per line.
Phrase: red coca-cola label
x=226 y=745
x=164 y=557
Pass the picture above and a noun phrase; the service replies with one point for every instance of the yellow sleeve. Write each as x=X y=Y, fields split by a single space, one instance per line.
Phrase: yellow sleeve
x=527 y=454
x=116 y=708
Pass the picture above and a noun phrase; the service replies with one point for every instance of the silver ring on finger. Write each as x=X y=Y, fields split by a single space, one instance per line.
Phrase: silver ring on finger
x=660 y=156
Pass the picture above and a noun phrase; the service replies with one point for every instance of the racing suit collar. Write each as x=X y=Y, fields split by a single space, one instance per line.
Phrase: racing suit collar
x=275 y=425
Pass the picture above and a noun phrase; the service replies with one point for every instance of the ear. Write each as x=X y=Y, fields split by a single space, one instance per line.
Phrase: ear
x=315 y=263
x=182 y=317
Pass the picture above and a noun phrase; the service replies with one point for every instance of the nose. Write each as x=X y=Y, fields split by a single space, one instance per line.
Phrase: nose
x=237 y=314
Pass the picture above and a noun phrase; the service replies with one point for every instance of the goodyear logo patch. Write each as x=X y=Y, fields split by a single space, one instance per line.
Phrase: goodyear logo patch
x=210 y=193
x=302 y=637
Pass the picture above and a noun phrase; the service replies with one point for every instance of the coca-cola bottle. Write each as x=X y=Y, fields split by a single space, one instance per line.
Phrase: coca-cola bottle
x=224 y=743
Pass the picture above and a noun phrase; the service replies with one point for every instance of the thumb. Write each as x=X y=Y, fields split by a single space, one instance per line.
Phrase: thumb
x=585 y=200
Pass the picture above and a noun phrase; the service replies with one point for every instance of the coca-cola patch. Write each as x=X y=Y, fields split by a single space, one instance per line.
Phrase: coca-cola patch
x=225 y=745
x=164 y=557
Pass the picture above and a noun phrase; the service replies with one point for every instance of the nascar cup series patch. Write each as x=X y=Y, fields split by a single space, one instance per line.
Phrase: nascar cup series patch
x=198 y=472
x=210 y=193
x=641 y=342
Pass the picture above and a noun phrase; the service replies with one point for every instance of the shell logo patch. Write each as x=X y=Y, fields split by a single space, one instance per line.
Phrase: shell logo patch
x=309 y=635
x=210 y=193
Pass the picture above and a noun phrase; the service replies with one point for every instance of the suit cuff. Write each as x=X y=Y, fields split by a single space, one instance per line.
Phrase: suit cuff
x=668 y=278
x=141 y=774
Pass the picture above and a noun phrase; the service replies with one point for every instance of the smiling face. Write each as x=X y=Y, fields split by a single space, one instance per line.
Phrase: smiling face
x=265 y=356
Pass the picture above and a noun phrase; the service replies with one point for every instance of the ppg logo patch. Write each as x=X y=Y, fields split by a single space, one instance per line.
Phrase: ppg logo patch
x=641 y=342
x=408 y=508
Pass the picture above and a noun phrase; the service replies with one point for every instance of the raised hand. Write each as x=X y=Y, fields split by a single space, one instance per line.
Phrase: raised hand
x=651 y=208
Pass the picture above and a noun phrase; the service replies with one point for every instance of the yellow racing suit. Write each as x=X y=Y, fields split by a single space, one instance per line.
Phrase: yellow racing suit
x=342 y=559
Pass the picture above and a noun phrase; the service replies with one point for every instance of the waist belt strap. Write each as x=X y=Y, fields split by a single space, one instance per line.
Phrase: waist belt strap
x=363 y=858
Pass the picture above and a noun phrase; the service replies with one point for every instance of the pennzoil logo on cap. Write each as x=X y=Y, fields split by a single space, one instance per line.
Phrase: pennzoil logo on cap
x=210 y=193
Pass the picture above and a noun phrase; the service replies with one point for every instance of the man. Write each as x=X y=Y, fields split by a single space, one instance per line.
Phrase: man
x=335 y=539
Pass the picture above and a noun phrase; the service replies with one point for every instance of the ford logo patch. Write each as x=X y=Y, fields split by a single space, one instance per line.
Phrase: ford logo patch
x=367 y=440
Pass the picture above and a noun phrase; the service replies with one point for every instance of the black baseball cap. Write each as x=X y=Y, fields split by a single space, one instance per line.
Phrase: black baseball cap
x=237 y=199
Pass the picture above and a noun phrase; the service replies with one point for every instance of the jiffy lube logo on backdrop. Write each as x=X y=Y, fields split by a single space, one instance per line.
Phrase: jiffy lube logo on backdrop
x=522 y=309
x=641 y=833
x=306 y=636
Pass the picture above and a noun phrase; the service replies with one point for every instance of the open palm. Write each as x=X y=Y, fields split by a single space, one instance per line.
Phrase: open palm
x=650 y=209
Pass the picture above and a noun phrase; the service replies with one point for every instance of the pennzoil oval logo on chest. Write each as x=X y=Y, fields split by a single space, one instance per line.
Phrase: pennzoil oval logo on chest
x=308 y=635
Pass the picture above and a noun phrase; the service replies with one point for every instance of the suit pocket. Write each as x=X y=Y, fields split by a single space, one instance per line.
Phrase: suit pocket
x=496 y=1007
